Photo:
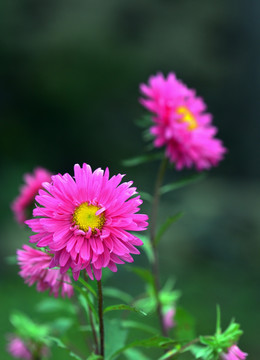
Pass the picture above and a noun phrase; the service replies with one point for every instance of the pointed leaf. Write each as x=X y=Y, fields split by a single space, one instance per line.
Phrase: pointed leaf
x=144 y=121
x=181 y=183
x=50 y=305
x=88 y=286
x=134 y=354
x=146 y=196
x=155 y=341
x=124 y=307
x=144 y=274
x=116 y=336
x=142 y=159
x=95 y=357
x=129 y=324
x=118 y=294
x=166 y=225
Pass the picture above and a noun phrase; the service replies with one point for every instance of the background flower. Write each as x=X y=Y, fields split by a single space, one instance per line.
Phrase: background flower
x=234 y=353
x=23 y=204
x=34 y=266
x=181 y=123
x=17 y=348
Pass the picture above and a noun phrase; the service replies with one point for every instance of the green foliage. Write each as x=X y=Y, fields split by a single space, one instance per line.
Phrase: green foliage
x=87 y=286
x=115 y=338
x=168 y=297
x=124 y=307
x=61 y=344
x=28 y=329
x=61 y=324
x=142 y=159
x=144 y=122
x=147 y=247
x=130 y=324
x=185 y=325
x=118 y=294
x=169 y=221
x=134 y=354
x=153 y=342
x=52 y=305
x=95 y=357
x=181 y=183
x=144 y=274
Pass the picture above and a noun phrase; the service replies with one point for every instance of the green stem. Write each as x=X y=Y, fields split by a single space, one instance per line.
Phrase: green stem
x=155 y=265
x=172 y=356
x=91 y=320
x=101 y=322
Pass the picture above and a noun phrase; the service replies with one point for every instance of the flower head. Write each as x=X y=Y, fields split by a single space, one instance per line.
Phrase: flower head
x=23 y=203
x=34 y=266
x=181 y=123
x=86 y=221
x=168 y=318
x=17 y=348
x=234 y=353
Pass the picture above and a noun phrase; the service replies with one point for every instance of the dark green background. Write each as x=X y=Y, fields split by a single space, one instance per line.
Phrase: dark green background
x=69 y=78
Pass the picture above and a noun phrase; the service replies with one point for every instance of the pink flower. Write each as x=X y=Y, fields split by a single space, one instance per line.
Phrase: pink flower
x=168 y=321
x=33 y=182
x=234 y=353
x=34 y=269
x=17 y=348
x=181 y=123
x=86 y=221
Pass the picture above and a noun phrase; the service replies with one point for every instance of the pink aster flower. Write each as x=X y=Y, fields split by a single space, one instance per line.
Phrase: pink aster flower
x=234 y=353
x=33 y=182
x=181 y=123
x=168 y=319
x=17 y=348
x=86 y=221
x=34 y=266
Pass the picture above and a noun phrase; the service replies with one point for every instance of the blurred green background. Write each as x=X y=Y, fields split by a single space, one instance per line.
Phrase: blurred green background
x=69 y=78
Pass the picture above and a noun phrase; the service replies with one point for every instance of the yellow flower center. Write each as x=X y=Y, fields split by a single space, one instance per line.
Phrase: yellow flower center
x=85 y=217
x=187 y=117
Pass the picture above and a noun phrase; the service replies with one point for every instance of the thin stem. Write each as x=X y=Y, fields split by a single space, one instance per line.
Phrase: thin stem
x=94 y=333
x=100 y=314
x=155 y=265
x=172 y=356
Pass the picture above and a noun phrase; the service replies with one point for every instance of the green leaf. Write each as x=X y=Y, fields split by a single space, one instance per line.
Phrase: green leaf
x=185 y=329
x=155 y=341
x=51 y=305
x=57 y=341
x=115 y=337
x=144 y=274
x=169 y=354
x=170 y=220
x=118 y=294
x=123 y=307
x=85 y=294
x=129 y=324
x=26 y=328
x=88 y=286
x=95 y=357
x=146 y=196
x=147 y=247
x=75 y=356
x=218 y=322
x=142 y=159
x=61 y=324
x=61 y=344
x=144 y=121
x=134 y=354
x=11 y=260
x=181 y=183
